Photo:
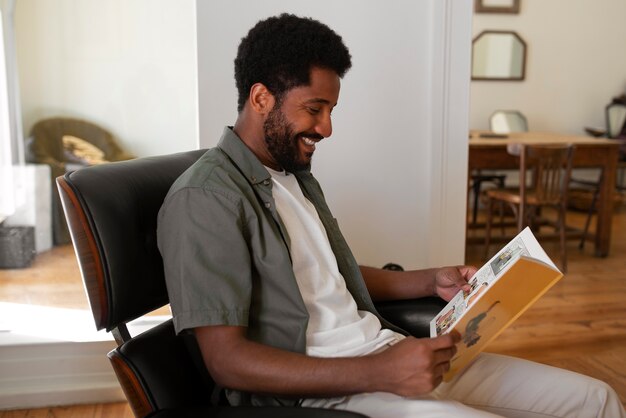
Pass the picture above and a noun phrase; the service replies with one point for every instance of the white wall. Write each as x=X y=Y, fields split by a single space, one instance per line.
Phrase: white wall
x=575 y=64
x=128 y=65
x=395 y=168
x=394 y=171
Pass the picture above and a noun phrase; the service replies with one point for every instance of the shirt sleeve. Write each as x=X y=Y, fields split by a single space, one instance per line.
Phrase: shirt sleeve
x=206 y=258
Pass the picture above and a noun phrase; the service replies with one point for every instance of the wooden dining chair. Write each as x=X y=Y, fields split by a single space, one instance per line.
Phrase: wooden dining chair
x=500 y=122
x=549 y=168
x=615 y=114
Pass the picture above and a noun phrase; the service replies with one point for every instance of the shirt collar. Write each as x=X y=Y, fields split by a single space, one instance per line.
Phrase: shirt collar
x=243 y=158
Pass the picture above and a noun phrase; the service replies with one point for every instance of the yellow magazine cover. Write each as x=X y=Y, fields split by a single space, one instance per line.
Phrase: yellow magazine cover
x=501 y=290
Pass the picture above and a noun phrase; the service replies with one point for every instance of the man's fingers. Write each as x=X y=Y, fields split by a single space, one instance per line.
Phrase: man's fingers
x=459 y=278
x=456 y=336
x=444 y=349
x=468 y=271
x=445 y=341
x=443 y=357
x=441 y=369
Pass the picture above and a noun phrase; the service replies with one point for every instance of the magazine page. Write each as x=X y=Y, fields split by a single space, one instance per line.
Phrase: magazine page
x=524 y=244
x=500 y=292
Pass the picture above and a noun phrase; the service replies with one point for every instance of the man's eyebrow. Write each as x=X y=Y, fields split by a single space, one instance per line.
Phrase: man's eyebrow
x=318 y=100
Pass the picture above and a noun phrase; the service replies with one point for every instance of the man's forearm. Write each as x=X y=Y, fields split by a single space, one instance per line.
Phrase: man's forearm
x=412 y=367
x=238 y=363
x=396 y=285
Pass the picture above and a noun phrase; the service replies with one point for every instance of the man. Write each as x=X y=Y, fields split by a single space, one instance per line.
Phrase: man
x=256 y=266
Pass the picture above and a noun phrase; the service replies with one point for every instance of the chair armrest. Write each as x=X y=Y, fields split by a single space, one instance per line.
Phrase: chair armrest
x=412 y=315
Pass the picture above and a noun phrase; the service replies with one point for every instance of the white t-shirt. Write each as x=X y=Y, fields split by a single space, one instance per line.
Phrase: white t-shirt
x=336 y=327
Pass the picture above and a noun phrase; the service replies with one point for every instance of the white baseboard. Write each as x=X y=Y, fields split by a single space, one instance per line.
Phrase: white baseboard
x=57 y=373
x=52 y=357
x=76 y=396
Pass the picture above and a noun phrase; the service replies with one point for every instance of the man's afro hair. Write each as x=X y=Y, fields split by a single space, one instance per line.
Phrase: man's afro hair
x=280 y=52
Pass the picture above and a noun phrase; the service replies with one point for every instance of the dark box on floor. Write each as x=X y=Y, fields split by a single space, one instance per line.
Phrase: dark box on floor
x=17 y=246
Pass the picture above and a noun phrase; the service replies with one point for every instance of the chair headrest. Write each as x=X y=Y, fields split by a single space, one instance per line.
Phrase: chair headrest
x=112 y=213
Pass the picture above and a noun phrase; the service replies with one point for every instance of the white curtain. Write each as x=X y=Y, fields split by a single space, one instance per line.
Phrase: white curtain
x=11 y=135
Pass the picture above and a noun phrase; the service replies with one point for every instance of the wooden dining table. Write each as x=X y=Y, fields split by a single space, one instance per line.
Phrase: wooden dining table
x=493 y=152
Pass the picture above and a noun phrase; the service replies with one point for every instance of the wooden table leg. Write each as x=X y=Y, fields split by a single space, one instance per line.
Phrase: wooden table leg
x=605 y=204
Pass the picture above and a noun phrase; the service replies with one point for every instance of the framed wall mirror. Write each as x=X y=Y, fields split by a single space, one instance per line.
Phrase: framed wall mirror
x=499 y=56
x=497 y=6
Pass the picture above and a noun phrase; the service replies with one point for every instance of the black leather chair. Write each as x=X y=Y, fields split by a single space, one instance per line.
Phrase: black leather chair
x=112 y=215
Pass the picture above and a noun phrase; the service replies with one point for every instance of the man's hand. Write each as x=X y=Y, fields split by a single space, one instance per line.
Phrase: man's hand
x=449 y=280
x=416 y=366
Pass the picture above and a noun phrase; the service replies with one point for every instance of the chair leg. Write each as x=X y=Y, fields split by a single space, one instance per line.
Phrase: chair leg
x=592 y=208
x=562 y=210
x=525 y=216
x=476 y=191
x=488 y=226
x=502 y=227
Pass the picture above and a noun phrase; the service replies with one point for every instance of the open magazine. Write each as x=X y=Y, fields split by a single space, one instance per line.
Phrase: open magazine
x=501 y=290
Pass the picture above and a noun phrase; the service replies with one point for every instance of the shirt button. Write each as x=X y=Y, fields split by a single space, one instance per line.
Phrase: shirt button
x=266 y=183
x=268 y=205
x=253 y=179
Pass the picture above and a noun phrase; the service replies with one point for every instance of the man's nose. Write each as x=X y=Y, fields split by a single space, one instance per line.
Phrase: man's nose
x=324 y=126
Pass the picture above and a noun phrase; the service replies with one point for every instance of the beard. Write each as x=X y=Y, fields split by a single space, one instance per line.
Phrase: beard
x=282 y=142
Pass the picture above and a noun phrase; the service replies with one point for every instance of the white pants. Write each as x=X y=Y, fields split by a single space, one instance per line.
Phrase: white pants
x=494 y=386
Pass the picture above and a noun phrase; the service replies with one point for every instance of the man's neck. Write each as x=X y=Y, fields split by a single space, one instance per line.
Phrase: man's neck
x=254 y=138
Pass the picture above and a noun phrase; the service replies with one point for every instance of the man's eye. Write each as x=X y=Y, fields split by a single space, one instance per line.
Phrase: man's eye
x=313 y=110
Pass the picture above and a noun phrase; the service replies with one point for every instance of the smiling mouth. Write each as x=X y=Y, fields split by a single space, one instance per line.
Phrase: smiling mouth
x=308 y=141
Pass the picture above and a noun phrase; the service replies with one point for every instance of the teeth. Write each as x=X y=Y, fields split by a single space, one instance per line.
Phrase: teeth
x=308 y=141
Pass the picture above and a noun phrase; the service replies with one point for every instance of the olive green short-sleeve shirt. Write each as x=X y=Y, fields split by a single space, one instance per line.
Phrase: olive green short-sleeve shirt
x=226 y=252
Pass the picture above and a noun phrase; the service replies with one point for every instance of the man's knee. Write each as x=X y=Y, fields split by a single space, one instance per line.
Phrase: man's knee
x=602 y=400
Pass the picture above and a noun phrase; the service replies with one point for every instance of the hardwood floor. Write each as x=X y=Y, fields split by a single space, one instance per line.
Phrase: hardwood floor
x=53 y=279
x=112 y=410
x=578 y=325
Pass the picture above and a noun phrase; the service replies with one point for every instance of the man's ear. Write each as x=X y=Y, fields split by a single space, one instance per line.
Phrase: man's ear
x=260 y=99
